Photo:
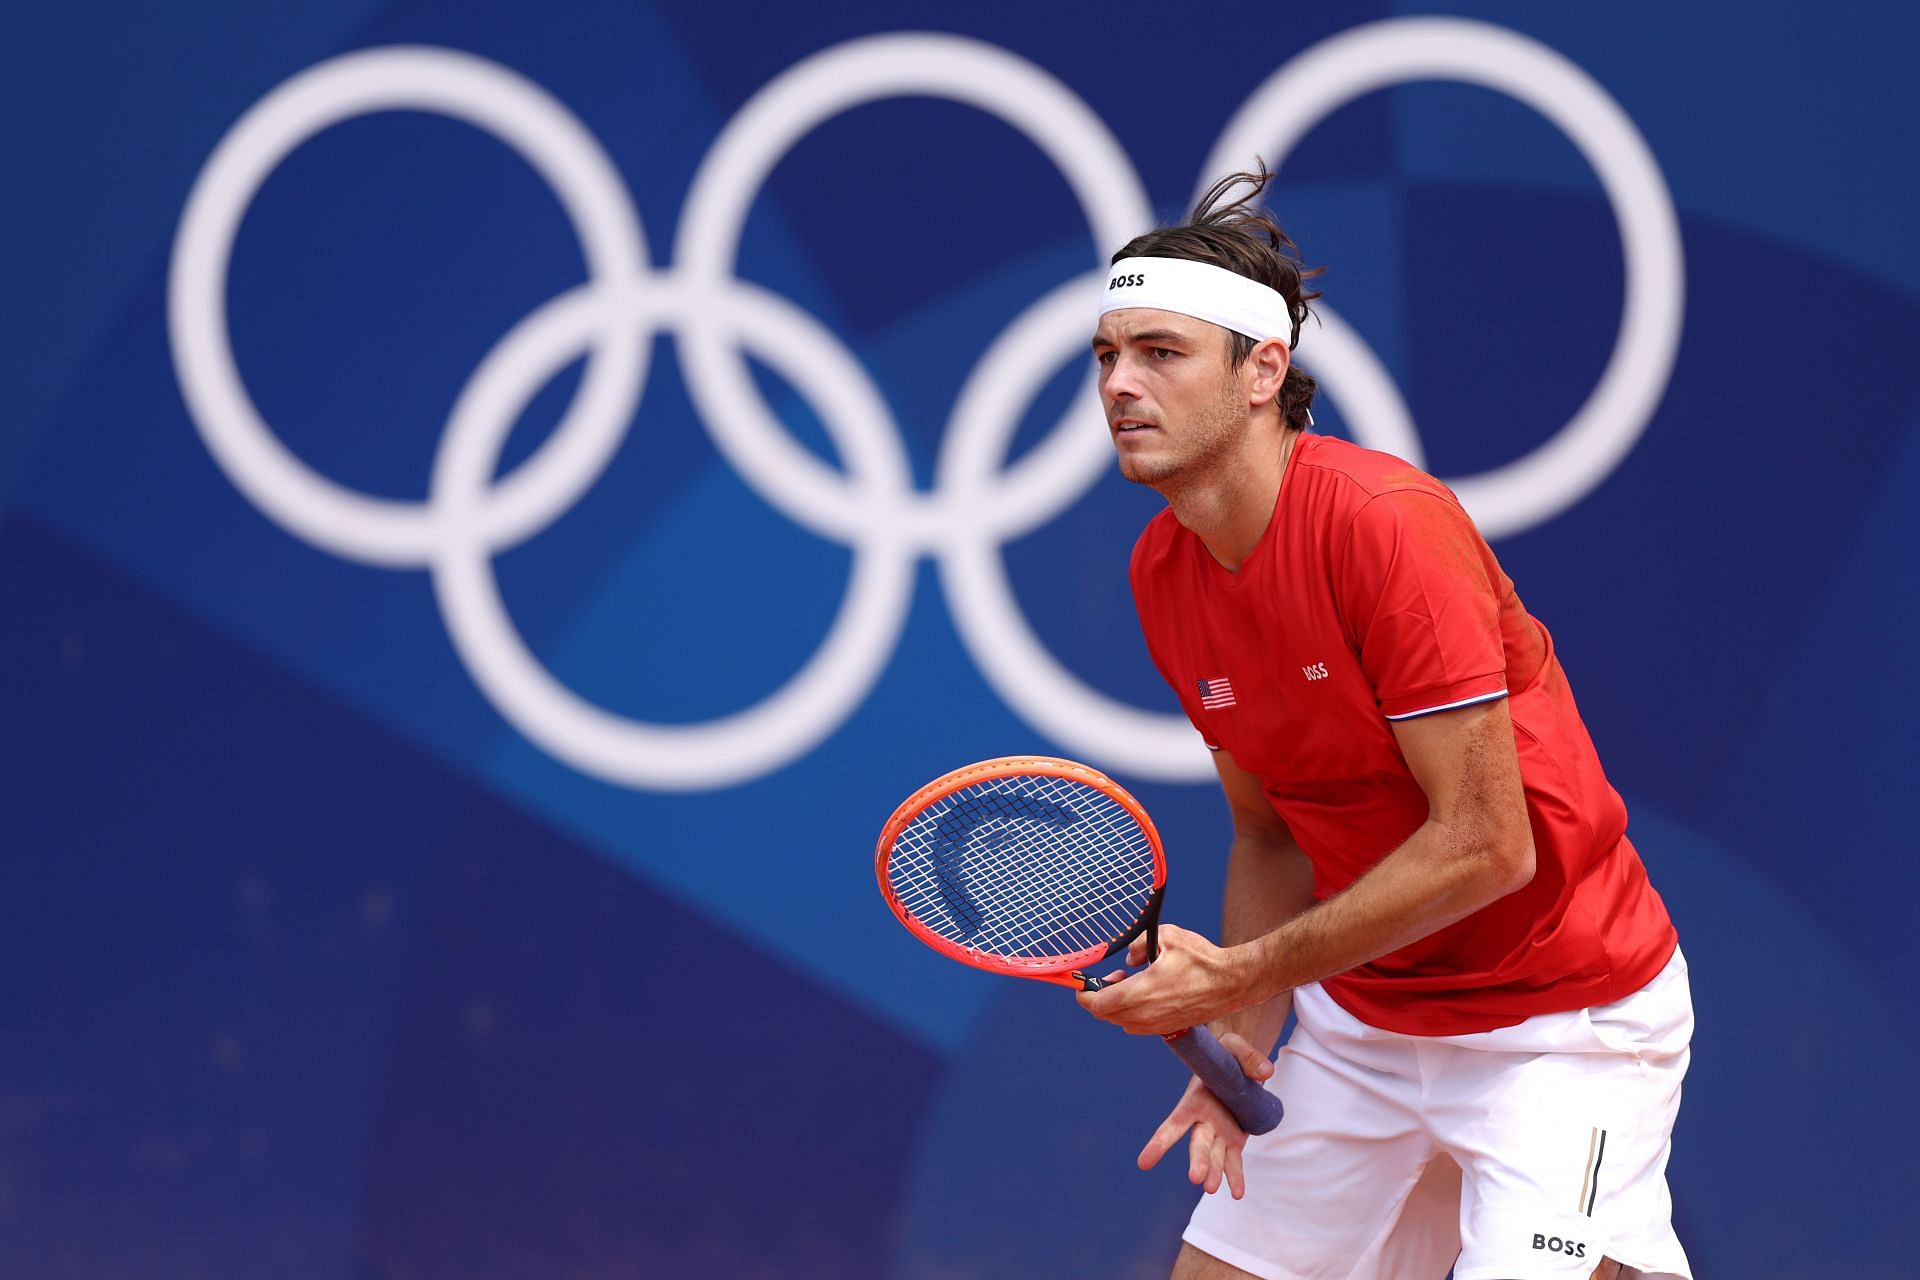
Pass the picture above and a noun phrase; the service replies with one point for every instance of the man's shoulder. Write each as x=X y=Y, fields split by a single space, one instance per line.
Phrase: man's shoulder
x=1345 y=474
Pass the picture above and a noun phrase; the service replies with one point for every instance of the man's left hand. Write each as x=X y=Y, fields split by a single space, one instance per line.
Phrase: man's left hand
x=1192 y=983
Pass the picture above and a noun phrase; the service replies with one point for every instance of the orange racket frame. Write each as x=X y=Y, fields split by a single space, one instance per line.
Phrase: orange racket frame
x=1257 y=1110
x=1065 y=971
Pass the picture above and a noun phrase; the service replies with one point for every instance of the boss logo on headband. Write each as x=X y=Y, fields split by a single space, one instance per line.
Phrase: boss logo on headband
x=1126 y=282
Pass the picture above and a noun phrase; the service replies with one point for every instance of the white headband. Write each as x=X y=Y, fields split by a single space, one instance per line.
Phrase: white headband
x=1205 y=292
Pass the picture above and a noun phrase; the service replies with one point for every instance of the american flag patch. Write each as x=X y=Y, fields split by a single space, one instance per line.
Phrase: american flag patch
x=1215 y=694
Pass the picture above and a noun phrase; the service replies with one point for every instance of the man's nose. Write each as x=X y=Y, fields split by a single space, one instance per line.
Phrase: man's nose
x=1122 y=381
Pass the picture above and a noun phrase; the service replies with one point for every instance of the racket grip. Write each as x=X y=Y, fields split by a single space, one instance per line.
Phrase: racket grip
x=1257 y=1110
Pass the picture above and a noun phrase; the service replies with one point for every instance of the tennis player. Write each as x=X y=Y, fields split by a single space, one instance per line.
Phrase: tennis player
x=1429 y=867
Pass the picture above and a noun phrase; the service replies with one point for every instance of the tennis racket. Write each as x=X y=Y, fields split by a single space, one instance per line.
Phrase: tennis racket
x=1042 y=868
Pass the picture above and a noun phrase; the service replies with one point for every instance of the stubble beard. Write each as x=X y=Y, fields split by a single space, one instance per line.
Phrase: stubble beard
x=1207 y=444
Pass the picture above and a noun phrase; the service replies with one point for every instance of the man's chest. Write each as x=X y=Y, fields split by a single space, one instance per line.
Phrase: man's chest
x=1273 y=679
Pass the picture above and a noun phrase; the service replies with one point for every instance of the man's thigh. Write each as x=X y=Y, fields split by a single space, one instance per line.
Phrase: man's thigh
x=1192 y=1264
x=1567 y=1175
x=1350 y=1185
x=1564 y=1154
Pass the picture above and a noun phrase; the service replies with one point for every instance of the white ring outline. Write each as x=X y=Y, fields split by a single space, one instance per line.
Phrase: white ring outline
x=1558 y=473
x=743 y=157
x=962 y=521
x=966 y=523
x=350 y=524
x=716 y=753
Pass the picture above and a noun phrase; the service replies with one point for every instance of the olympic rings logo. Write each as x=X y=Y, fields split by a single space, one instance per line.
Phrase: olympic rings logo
x=976 y=503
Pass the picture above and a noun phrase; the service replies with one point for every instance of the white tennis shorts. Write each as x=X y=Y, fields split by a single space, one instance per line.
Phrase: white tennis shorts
x=1531 y=1151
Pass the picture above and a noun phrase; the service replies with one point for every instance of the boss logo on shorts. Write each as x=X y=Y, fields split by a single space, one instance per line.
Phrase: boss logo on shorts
x=1554 y=1244
x=1126 y=282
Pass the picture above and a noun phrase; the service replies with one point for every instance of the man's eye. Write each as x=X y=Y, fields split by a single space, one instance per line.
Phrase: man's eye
x=1162 y=353
x=1103 y=357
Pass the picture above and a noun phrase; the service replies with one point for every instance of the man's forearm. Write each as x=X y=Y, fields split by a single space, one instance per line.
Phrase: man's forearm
x=1428 y=883
x=1267 y=885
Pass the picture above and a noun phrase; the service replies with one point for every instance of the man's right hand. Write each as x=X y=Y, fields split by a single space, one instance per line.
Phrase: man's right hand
x=1217 y=1139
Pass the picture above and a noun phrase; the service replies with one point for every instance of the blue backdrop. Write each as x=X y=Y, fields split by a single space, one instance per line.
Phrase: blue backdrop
x=343 y=941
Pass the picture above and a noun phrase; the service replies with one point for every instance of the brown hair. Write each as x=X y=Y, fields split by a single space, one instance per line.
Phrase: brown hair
x=1243 y=237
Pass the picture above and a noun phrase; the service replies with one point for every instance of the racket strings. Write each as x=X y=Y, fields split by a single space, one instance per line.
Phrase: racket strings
x=1029 y=867
x=974 y=842
x=1033 y=912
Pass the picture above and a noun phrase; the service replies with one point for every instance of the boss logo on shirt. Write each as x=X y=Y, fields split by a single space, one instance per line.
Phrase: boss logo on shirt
x=1554 y=1244
x=1126 y=282
x=1318 y=671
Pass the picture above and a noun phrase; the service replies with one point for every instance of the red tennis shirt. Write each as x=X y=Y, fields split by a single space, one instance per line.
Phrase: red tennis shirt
x=1371 y=597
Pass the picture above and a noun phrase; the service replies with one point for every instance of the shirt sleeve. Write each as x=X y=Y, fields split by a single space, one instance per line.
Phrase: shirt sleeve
x=1419 y=605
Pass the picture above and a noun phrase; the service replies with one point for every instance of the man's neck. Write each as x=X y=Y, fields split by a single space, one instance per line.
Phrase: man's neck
x=1230 y=506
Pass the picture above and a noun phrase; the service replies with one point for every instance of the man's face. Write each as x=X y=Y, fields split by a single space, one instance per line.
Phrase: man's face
x=1174 y=405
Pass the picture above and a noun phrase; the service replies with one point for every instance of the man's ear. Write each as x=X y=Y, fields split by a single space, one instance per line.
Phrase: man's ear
x=1267 y=365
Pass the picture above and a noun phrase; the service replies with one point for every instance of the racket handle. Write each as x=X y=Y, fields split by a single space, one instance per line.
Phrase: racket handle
x=1257 y=1110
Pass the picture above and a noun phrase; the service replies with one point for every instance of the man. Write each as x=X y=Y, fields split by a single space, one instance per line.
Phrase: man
x=1429 y=867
